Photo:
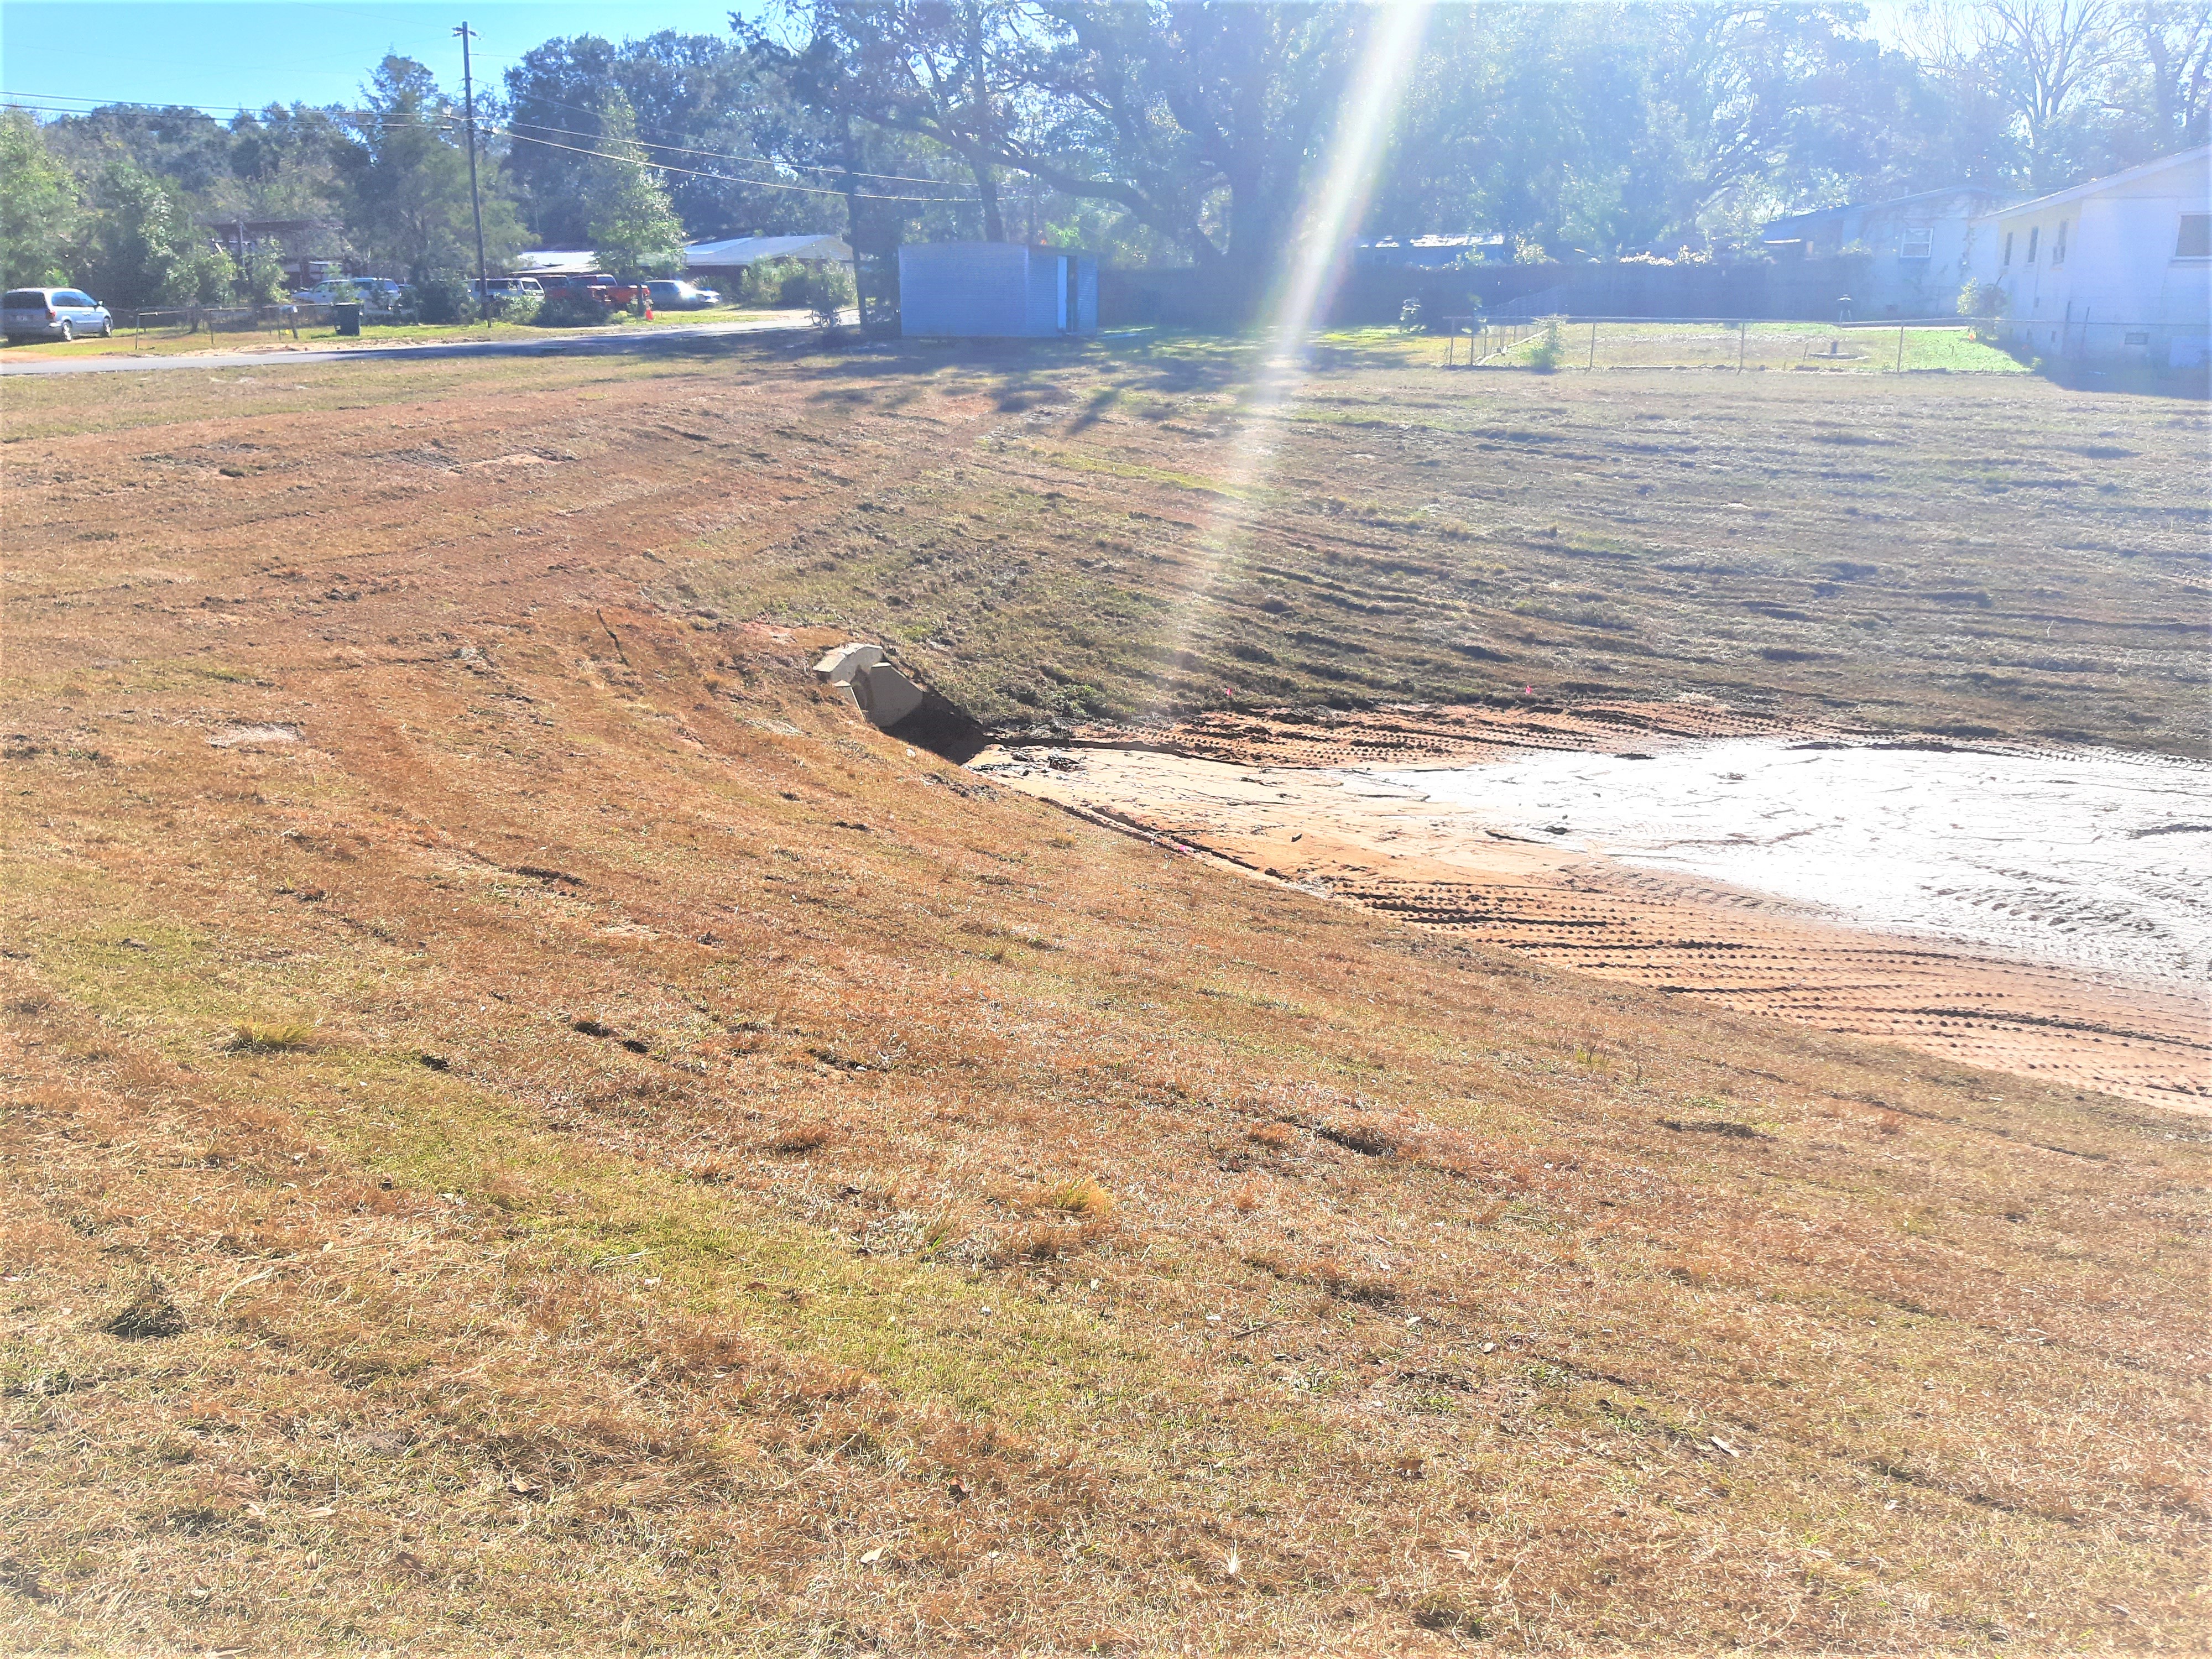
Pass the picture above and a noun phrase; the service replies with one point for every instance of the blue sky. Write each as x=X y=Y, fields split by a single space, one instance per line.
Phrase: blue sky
x=69 y=56
x=56 y=57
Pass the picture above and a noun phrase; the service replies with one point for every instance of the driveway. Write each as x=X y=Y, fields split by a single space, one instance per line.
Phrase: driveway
x=584 y=343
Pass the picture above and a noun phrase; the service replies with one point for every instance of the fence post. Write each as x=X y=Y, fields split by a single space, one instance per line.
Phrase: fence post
x=1900 y=348
x=1742 y=334
x=1592 y=364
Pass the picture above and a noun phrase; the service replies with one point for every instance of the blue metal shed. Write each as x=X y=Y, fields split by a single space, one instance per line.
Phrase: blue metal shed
x=996 y=290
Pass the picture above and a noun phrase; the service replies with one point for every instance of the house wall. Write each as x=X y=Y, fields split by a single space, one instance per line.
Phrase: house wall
x=2120 y=292
x=1901 y=280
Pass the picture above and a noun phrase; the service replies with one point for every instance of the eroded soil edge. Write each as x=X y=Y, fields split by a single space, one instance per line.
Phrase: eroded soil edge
x=1259 y=792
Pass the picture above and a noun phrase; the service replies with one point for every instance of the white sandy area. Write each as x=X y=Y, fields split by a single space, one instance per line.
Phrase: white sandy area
x=2091 y=859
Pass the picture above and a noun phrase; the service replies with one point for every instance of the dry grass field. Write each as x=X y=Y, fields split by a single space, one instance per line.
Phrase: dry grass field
x=529 y=1127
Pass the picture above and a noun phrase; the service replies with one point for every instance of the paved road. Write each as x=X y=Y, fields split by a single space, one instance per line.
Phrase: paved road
x=627 y=343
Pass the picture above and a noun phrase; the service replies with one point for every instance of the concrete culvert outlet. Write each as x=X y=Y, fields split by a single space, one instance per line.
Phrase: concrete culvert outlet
x=892 y=700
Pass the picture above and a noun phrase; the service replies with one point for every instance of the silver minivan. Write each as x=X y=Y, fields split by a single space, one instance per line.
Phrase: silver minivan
x=52 y=313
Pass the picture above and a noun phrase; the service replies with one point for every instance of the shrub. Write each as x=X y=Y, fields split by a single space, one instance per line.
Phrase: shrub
x=262 y=280
x=571 y=308
x=512 y=307
x=1544 y=356
x=1985 y=303
x=827 y=291
x=772 y=283
x=1409 y=317
x=445 y=300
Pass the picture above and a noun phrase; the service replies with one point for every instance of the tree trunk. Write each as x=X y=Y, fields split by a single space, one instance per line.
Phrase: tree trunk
x=987 y=176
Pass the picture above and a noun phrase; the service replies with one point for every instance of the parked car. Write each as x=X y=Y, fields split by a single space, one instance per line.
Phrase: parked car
x=576 y=282
x=681 y=297
x=498 y=289
x=52 y=313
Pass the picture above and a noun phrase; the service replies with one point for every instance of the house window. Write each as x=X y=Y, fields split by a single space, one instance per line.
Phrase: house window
x=2058 y=244
x=2007 y=252
x=2195 y=241
x=2034 y=237
x=1919 y=242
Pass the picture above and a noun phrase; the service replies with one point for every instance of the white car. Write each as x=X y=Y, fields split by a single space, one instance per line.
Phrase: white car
x=681 y=297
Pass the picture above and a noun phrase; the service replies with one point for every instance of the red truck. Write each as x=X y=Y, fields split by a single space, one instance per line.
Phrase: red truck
x=601 y=287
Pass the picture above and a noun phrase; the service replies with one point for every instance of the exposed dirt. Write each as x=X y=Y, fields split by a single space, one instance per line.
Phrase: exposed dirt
x=1253 y=791
x=643 y=1161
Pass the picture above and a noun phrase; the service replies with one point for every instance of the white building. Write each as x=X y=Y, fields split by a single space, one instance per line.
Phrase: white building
x=996 y=290
x=1918 y=249
x=555 y=262
x=722 y=263
x=2119 y=269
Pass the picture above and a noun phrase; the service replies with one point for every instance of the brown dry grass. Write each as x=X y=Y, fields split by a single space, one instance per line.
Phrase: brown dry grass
x=496 y=1319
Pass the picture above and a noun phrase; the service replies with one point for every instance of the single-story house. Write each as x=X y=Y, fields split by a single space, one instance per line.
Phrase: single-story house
x=554 y=262
x=721 y=264
x=1920 y=249
x=1430 y=252
x=996 y=290
x=2116 y=269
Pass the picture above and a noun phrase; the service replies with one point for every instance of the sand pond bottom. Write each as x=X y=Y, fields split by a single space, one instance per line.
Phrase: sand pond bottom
x=2030 y=911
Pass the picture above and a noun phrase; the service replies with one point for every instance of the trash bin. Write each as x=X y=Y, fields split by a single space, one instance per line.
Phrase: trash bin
x=347 y=316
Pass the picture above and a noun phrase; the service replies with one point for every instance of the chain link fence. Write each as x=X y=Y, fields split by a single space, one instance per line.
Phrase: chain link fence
x=175 y=321
x=2114 y=351
x=1735 y=343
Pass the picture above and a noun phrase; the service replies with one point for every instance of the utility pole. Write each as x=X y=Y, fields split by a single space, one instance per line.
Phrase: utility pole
x=475 y=203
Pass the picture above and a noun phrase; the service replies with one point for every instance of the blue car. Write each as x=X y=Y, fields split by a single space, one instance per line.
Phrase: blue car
x=52 y=313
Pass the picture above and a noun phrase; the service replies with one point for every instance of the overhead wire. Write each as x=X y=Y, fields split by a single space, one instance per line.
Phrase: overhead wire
x=727 y=155
x=698 y=173
x=447 y=123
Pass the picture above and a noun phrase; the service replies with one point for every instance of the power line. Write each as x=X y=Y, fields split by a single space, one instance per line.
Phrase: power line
x=24 y=100
x=726 y=155
x=729 y=179
x=364 y=117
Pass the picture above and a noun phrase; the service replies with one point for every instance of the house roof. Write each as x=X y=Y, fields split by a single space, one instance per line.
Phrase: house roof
x=2199 y=156
x=557 y=261
x=1796 y=220
x=751 y=249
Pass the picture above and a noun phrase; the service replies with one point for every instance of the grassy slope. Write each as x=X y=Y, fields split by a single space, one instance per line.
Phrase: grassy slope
x=129 y=342
x=489 y=1326
x=1992 y=555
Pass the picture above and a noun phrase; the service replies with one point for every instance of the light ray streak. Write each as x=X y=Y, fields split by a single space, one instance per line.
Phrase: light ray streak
x=1361 y=135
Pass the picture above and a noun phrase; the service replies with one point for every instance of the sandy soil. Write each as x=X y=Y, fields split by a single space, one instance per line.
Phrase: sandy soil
x=1269 y=797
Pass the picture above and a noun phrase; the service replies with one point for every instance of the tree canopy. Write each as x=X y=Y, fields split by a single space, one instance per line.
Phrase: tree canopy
x=1181 y=132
